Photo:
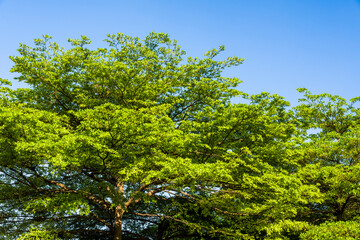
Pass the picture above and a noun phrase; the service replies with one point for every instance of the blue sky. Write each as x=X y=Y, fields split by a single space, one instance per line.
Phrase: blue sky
x=286 y=43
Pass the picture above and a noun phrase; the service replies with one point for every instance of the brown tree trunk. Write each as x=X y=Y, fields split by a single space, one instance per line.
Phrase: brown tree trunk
x=119 y=211
x=164 y=224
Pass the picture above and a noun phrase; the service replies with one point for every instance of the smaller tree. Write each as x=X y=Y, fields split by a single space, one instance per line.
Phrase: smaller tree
x=331 y=155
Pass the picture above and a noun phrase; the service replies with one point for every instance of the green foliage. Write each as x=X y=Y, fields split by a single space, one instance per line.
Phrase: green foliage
x=333 y=231
x=35 y=234
x=134 y=141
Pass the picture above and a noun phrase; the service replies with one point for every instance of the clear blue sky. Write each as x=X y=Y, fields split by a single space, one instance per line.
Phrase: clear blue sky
x=286 y=43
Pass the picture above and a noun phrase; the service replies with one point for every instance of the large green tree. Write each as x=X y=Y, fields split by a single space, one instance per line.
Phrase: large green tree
x=133 y=141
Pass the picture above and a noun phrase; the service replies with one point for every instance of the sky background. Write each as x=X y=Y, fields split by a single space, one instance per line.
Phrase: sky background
x=286 y=44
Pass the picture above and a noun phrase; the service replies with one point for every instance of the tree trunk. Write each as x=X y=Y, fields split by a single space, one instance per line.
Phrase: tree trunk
x=164 y=224
x=119 y=211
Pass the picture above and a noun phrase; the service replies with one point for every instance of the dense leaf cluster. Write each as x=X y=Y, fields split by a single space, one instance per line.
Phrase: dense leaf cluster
x=135 y=142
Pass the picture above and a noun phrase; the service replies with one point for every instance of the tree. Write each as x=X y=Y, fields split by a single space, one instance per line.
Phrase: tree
x=331 y=158
x=132 y=142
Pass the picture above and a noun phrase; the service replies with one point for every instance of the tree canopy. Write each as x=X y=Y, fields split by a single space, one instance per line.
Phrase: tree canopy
x=135 y=141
